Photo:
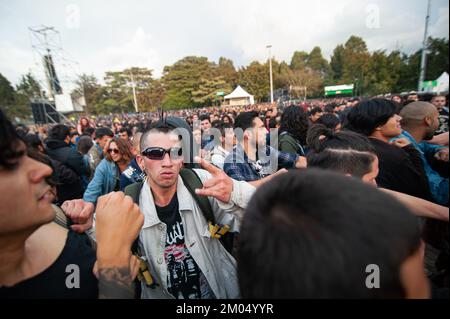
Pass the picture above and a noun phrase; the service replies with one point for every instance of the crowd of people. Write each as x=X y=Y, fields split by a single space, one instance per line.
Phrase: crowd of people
x=256 y=201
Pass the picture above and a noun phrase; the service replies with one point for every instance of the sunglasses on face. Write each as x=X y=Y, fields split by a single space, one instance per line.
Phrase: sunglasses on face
x=158 y=153
x=113 y=150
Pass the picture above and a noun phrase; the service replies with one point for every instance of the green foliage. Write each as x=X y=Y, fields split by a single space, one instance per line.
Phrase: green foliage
x=255 y=80
x=194 y=81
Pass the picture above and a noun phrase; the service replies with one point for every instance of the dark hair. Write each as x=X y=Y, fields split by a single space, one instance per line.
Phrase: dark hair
x=300 y=239
x=125 y=129
x=230 y=120
x=74 y=133
x=84 y=144
x=103 y=131
x=315 y=110
x=244 y=121
x=331 y=121
x=163 y=126
x=329 y=108
x=346 y=152
x=88 y=131
x=124 y=149
x=205 y=117
x=216 y=123
x=32 y=141
x=10 y=144
x=367 y=115
x=295 y=122
x=273 y=122
x=59 y=132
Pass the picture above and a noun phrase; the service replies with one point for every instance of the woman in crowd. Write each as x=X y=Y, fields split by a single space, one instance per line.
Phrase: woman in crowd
x=294 y=126
x=107 y=174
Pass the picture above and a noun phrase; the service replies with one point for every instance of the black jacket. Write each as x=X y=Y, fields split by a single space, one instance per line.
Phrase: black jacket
x=401 y=169
x=70 y=185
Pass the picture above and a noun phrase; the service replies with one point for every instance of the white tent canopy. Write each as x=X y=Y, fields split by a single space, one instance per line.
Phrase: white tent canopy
x=440 y=85
x=239 y=97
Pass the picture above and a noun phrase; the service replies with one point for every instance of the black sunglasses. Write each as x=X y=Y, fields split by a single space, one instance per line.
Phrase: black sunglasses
x=158 y=153
x=113 y=150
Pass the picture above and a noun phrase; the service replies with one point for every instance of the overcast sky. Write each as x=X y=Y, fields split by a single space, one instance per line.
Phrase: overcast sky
x=112 y=35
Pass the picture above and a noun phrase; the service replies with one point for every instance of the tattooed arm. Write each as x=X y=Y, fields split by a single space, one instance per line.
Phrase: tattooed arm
x=115 y=283
x=118 y=223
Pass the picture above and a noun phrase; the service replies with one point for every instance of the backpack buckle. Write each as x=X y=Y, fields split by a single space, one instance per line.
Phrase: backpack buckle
x=217 y=231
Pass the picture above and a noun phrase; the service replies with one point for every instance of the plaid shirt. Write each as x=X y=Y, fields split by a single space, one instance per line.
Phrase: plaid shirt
x=239 y=167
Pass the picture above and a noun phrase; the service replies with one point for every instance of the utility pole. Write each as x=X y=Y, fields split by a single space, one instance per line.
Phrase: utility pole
x=133 y=86
x=270 y=67
x=424 y=50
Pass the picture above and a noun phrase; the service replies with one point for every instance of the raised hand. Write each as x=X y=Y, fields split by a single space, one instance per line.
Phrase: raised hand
x=220 y=186
x=80 y=212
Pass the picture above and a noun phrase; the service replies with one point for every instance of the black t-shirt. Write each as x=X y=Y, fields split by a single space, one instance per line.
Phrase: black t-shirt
x=185 y=280
x=54 y=282
x=401 y=169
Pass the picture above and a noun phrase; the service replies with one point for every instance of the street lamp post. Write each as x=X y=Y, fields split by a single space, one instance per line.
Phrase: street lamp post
x=270 y=67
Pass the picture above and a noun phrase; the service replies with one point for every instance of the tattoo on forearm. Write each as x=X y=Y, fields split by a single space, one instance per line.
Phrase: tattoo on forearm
x=115 y=283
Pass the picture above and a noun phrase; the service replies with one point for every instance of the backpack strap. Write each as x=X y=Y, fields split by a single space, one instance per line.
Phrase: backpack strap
x=134 y=191
x=192 y=181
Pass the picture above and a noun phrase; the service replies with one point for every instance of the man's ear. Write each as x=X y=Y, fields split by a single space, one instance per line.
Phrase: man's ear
x=428 y=120
x=140 y=161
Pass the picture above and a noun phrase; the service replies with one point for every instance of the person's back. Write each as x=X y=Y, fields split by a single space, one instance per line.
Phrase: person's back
x=401 y=168
x=59 y=150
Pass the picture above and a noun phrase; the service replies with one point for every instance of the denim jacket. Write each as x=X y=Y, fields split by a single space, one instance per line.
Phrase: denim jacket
x=218 y=266
x=104 y=181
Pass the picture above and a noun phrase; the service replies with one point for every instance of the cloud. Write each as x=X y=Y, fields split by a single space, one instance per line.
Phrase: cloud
x=14 y=61
x=136 y=52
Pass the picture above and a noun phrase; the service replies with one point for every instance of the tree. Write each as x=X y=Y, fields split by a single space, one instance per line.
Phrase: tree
x=437 y=59
x=88 y=86
x=337 y=63
x=7 y=97
x=255 y=80
x=299 y=60
x=119 y=86
x=381 y=78
x=227 y=71
x=29 y=86
x=356 y=62
x=317 y=62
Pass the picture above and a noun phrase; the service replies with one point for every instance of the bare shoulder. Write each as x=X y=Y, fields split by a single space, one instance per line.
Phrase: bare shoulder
x=44 y=246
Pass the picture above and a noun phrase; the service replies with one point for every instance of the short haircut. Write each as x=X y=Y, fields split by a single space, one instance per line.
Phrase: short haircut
x=367 y=115
x=244 y=120
x=302 y=239
x=205 y=117
x=124 y=149
x=329 y=120
x=32 y=141
x=125 y=130
x=88 y=131
x=346 y=152
x=157 y=127
x=415 y=112
x=84 y=144
x=103 y=131
x=59 y=132
x=10 y=144
x=315 y=110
